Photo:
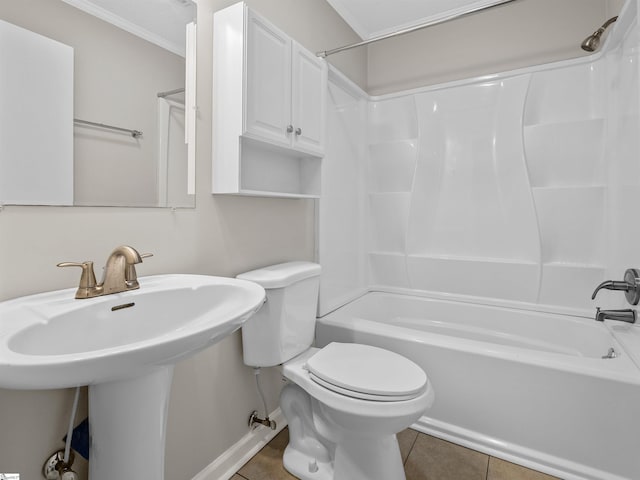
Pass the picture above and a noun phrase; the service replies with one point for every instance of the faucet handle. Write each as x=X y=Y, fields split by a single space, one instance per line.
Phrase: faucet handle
x=131 y=276
x=632 y=277
x=610 y=285
x=630 y=285
x=87 y=283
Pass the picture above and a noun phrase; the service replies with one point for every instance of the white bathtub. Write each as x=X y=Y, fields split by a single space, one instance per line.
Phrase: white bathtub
x=521 y=385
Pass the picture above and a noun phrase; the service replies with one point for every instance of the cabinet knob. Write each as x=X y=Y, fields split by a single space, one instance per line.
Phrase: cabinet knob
x=289 y=128
x=298 y=131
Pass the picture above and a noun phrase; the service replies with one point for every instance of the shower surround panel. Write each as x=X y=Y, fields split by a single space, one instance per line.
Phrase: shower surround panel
x=490 y=210
x=492 y=188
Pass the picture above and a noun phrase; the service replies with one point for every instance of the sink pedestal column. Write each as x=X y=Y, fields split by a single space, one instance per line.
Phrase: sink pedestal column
x=127 y=422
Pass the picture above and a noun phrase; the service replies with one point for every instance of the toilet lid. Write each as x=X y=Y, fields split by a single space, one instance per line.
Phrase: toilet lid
x=366 y=372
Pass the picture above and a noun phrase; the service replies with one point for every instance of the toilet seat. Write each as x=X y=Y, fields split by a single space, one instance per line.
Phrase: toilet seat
x=366 y=372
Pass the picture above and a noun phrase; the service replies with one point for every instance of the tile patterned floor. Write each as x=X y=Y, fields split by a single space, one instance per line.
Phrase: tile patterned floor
x=425 y=458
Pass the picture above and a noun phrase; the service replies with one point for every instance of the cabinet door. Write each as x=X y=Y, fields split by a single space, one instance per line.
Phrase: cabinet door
x=267 y=82
x=309 y=100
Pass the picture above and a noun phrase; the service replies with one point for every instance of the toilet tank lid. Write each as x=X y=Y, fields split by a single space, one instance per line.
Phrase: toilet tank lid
x=282 y=275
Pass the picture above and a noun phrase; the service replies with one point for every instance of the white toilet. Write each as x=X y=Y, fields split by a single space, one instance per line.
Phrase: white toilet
x=345 y=402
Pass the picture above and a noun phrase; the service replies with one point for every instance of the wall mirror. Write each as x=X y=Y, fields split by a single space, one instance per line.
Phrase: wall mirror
x=93 y=95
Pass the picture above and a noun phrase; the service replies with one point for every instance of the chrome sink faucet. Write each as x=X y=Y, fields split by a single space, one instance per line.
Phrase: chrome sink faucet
x=119 y=273
x=631 y=287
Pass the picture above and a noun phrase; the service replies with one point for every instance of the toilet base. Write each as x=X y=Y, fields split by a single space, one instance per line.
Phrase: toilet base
x=358 y=460
x=305 y=467
x=319 y=449
x=369 y=459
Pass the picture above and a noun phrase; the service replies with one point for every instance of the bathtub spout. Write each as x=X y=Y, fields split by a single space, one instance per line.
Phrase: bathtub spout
x=627 y=315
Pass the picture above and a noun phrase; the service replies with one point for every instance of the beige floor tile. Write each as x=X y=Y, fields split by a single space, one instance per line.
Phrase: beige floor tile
x=237 y=477
x=435 y=459
x=267 y=464
x=501 y=470
x=406 y=439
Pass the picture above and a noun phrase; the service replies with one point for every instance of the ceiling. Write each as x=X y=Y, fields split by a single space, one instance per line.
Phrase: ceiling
x=158 y=21
x=162 y=21
x=371 y=18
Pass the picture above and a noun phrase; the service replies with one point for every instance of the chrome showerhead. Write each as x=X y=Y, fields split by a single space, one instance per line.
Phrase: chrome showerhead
x=592 y=42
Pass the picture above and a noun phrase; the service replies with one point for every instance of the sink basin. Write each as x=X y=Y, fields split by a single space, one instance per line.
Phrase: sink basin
x=124 y=346
x=52 y=340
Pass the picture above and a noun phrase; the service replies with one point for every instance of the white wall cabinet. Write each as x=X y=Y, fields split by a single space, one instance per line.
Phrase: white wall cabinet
x=308 y=107
x=269 y=108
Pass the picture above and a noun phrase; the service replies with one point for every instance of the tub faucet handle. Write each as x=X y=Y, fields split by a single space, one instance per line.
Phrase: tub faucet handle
x=630 y=285
x=610 y=285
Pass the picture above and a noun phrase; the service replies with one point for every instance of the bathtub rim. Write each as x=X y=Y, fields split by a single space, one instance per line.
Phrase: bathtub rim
x=622 y=369
x=456 y=297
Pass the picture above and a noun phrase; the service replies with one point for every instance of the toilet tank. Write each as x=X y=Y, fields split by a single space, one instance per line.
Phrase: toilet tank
x=285 y=325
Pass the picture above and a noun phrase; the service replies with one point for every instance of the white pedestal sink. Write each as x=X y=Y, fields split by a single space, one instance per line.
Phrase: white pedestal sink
x=124 y=346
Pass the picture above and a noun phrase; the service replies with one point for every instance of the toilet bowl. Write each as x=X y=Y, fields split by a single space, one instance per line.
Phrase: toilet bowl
x=358 y=434
x=344 y=403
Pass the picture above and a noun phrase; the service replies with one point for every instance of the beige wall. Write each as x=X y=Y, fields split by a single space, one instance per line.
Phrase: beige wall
x=523 y=33
x=614 y=7
x=213 y=393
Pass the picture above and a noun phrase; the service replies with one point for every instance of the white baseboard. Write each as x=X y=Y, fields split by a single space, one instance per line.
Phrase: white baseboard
x=227 y=464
